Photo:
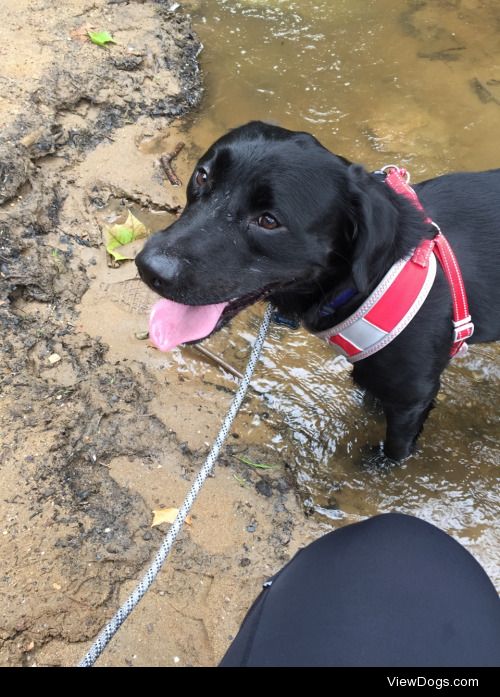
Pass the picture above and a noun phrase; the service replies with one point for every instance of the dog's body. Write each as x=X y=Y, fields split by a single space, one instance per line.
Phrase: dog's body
x=271 y=212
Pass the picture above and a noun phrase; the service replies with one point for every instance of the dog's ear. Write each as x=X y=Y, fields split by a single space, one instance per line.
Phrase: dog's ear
x=374 y=218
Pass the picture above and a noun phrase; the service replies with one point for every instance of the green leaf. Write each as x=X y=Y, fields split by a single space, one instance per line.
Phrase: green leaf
x=101 y=38
x=257 y=465
x=121 y=234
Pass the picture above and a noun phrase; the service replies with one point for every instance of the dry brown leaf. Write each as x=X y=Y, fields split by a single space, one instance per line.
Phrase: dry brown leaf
x=167 y=515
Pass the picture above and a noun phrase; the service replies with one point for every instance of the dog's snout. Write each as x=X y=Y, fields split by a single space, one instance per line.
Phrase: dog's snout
x=157 y=270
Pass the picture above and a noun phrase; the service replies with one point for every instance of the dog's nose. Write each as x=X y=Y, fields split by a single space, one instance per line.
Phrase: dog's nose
x=157 y=270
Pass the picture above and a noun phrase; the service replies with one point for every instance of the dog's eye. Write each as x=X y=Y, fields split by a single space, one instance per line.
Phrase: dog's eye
x=267 y=221
x=201 y=176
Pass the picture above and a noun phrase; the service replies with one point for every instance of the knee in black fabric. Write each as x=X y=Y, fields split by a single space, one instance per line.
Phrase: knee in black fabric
x=391 y=590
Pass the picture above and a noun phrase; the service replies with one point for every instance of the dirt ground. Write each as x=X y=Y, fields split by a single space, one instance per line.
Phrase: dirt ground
x=97 y=429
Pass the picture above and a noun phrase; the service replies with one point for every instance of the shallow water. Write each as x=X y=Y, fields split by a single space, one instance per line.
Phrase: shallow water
x=417 y=83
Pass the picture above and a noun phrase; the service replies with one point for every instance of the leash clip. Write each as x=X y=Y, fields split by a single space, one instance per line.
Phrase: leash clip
x=285 y=321
x=403 y=173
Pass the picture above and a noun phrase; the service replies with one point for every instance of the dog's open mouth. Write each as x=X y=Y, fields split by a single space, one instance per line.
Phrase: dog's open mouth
x=171 y=323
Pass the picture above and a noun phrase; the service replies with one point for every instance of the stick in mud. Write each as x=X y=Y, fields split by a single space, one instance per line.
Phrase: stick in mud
x=222 y=363
x=166 y=163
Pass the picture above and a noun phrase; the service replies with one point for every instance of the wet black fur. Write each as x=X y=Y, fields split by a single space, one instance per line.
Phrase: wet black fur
x=340 y=227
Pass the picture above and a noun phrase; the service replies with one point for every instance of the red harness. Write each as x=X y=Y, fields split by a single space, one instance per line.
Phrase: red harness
x=399 y=296
x=398 y=179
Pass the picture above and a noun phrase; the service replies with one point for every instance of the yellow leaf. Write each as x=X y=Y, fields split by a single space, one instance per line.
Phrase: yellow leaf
x=167 y=515
x=120 y=235
x=138 y=229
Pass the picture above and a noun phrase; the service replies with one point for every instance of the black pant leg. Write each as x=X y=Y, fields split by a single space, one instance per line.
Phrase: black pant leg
x=390 y=591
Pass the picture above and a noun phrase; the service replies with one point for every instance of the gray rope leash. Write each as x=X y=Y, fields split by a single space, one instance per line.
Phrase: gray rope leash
x=121 y=615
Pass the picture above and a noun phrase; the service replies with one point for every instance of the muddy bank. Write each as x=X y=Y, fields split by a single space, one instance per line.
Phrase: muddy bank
x=97 y=429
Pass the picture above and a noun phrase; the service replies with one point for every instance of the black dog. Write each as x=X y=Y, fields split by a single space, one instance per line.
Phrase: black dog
x=271 y=212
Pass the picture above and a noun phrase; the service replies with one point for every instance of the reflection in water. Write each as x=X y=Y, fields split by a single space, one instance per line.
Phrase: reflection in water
x=417 y=83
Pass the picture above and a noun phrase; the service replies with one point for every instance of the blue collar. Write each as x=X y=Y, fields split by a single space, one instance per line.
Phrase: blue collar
x=332 y=306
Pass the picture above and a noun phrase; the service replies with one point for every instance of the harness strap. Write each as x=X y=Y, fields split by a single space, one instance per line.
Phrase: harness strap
x=462 y=322
x=398 y=179
x=388 y=309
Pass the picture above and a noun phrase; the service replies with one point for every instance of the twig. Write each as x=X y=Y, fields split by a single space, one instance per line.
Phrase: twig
x=166 y=163
x=218 y=360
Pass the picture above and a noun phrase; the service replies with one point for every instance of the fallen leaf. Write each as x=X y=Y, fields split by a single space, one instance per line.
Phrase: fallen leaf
x=121 y=234
x=101 y=38
x=167 y=515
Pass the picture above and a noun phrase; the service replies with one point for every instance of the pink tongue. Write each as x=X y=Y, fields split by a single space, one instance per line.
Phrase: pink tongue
x=171 y=324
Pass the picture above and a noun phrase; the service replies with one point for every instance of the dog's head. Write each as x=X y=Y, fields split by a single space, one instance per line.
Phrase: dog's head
x=269 y=212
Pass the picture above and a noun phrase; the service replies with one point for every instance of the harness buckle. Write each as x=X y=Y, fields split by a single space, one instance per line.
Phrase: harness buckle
x=463 y=329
